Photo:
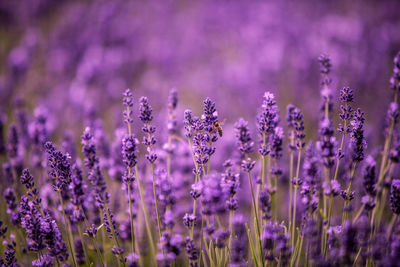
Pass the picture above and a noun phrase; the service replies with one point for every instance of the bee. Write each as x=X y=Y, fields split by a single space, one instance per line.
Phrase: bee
x=217 y=127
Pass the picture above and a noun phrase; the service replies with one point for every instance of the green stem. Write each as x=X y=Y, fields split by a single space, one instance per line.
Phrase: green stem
x=113 y=233
x=256 y=215
x=295 y=196
x=251 y=246
x=146 y=216
x=94 y=241
x=291 y=162
x=156 y=200
x=131 y=214
x=391 y=225
x=201 y=240
x=83 y=244
x=67 y=230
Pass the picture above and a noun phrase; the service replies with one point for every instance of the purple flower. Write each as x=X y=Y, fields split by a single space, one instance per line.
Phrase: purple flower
x=172 y=103
x=9 y=256
x=148 y=139
x=276 y=143
x=53 y=239
x=129 y=150
x=267 y=120
x=265 y=203
x=43 y=261
x=369 y=176
x=358 y=143
x=91 y=231
x=110 y=223
x=349 y=243
x=196 y=190
x=31 y=221
x=395 y=79
x=325 y=67
x=128 y=103
x=210 y=115
x=145 y=109
x=171 y=247
x=296 y=123
x=191 y=249
x=239 y=243
x=243 y=137
x=395 y=196
x=13 y=147
x=331 y=188
x=327 y=143
x=189 y=220
x=60 y=168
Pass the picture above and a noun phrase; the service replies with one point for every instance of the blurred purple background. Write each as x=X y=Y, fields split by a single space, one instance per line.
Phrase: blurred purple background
x=77 y=57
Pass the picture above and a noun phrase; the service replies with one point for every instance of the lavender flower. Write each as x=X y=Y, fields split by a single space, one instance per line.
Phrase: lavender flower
x=327 y=143
x=146 y=117
x=170 y=245
x=210 y=115
x=358 y=143
x=92 y=163
x=43 y=261
x=189 y=220
x=296 y=124
x=395 y=79
x=230 y=186
x=53 y=239
x=238 y=245
x=243 y=137
x=395 y=196
x=13 y=148
x=128 y=103
x=265 y=204
x=370 y=176
x=325 y=67
x=349 y=243
x=191 y=249
x=267 y=120
x=9 y=256
x=129 y=151
x=60 y=168
x=172 y=103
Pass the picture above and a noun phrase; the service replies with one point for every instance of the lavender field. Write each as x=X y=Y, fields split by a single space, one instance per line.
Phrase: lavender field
x=253 y=133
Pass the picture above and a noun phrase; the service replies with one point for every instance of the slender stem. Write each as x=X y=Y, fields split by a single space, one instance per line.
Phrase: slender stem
x=357 y=256
x=381 y=199
x=113 y=233
x=129 y=191
x=146 y=216
x=194 y=214
x=256 y=215
x=385 y=156
x=291 y=162
x=83 y=243
x=201 y=240
x=230 y=230
x=131 y=214
x=94 y=241
x=300 y=251
x=67 y=229
x=251 y=246
x=347 y=201
x=295 y=196
x=359 y=213
x=156 y=200
x=391 y=225
x=169 y=157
